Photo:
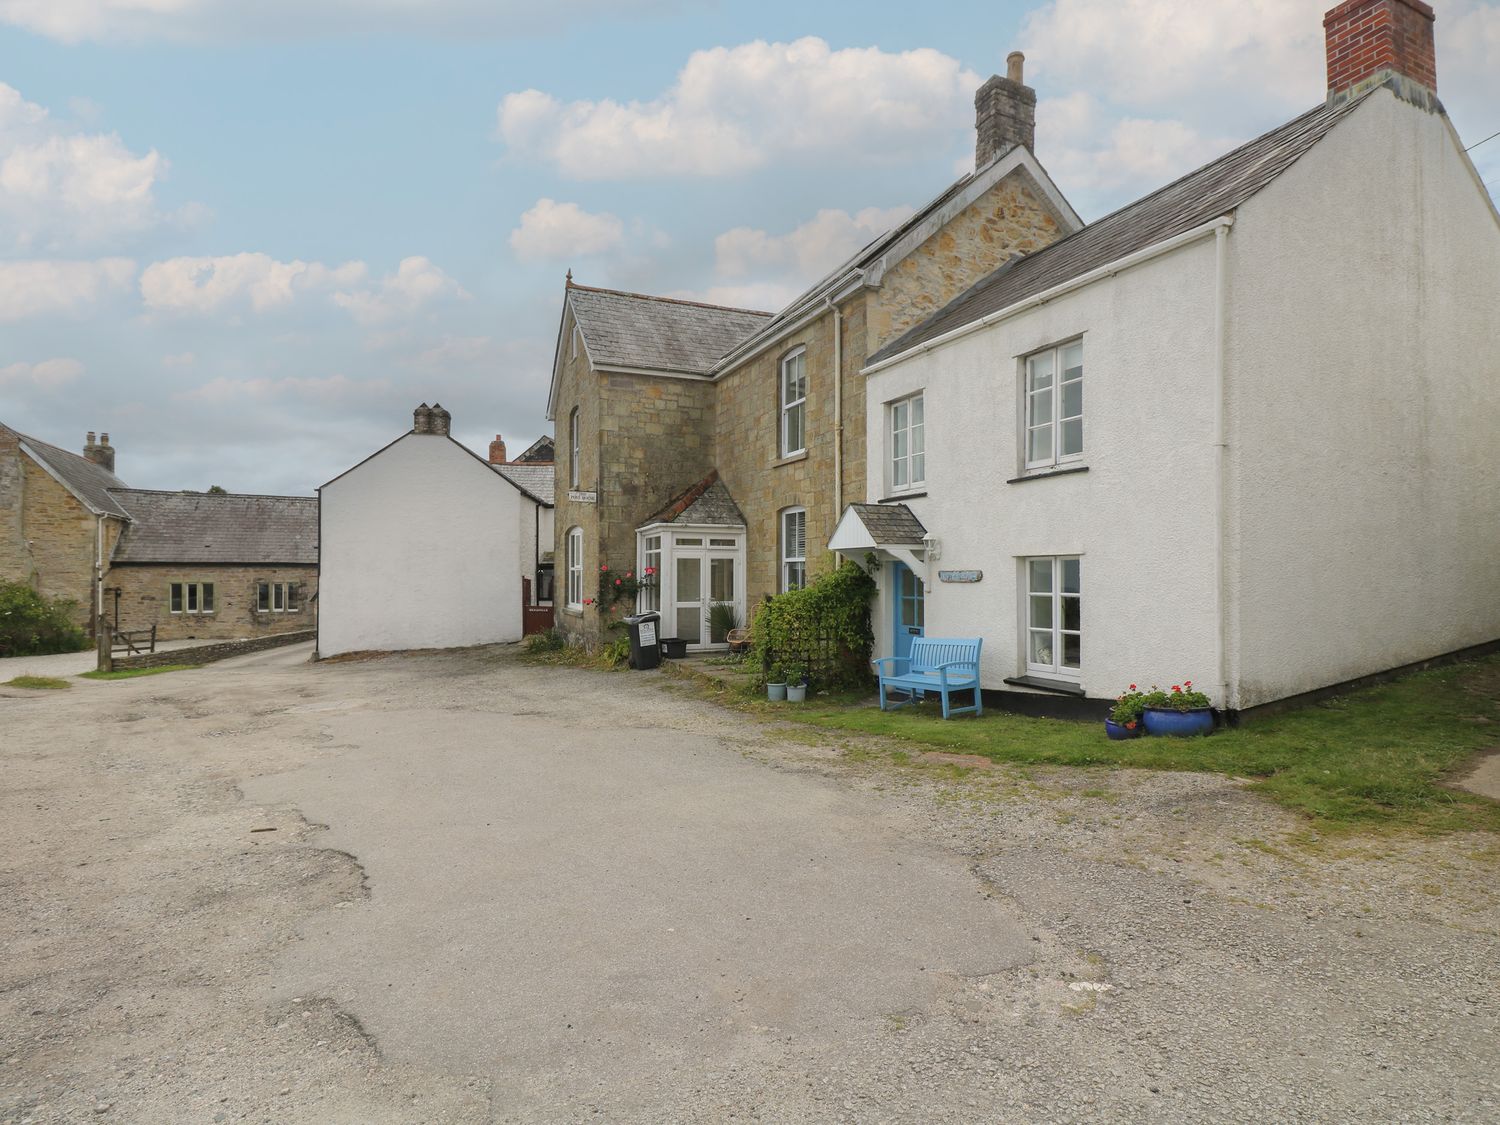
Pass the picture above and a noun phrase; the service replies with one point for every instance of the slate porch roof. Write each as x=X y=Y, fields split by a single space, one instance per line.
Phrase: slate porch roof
x=537 y=480
x=657 y=333
x=707 y=503
x=89 y=482
x=194 y=527
x=893 y=524
x=1213 y=190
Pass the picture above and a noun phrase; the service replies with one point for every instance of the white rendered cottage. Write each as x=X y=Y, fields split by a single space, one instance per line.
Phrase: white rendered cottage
x=424 y=544
x=1242 y=431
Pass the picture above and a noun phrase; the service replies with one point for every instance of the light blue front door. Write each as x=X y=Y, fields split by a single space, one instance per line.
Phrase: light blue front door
x=906 y=589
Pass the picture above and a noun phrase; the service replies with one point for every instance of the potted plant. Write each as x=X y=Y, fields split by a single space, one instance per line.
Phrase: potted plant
x=796 y=684
x=776 y=684
x=1125 y=717
x=1180 y=713
x=723 y=619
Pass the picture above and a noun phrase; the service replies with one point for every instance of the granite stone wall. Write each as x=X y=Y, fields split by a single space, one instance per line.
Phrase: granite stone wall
x=144 y=600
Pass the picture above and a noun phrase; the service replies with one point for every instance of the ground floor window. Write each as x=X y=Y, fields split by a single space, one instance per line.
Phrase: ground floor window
x=575 y=568
x=1054 y=616
x=649 y=598
x=277 y=597
x=191 y=597
x=793 y=548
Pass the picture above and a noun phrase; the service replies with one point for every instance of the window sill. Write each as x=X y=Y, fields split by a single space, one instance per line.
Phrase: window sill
x=789 y=459
x=1041 y=683
x=901 y=498
x=1042 y=474
x=573 y=611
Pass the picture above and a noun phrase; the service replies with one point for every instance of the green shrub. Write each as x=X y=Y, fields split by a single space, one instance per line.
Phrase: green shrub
x=549 y=640
x=616 y=654
x=723 y=619
x=822 y=629
x=30 y=625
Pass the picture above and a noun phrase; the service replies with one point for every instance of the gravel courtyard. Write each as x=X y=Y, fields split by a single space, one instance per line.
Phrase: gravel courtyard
x=455 y=887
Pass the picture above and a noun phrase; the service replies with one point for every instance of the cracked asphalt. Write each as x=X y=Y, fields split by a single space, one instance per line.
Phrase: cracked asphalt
x=455 y=887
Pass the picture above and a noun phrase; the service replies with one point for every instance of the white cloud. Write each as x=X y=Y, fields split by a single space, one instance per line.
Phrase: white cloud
x=552 y=231
x=63 y=188
x=735 y=109
x=179 y=360
x=47 y=374
x=324 y=390
x=233 y=20
x=416 y=284
x=38 y=288
x=206 y=285
x=807 y=252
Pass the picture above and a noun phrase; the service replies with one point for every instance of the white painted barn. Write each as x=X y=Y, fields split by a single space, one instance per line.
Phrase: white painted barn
x=424 y=544
x=1243 y=431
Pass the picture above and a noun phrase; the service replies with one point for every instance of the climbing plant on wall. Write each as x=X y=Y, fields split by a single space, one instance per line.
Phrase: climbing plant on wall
x=823 y=628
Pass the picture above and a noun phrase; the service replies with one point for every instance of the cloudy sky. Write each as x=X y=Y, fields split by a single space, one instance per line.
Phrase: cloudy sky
x=247 y=236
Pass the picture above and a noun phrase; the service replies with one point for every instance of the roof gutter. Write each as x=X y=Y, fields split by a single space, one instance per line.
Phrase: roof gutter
x=846 y=286
x=1119 y=265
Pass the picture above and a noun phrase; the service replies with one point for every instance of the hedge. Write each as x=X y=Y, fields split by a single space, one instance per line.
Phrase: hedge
x=823 y=629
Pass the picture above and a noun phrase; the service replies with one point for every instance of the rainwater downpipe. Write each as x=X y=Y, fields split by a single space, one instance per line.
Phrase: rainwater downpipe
x=1221 y=453
x=838 y=407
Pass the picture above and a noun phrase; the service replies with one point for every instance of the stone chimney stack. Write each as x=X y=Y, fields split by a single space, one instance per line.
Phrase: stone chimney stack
x=1381 y=42
x=440 y=420
x=1004 y=113
x=497 y=451
x=421 y=420
x=100 y=452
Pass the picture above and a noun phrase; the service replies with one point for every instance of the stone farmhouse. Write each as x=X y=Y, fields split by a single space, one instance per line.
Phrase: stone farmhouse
x=1242 y=431
x=193 y=565
x=718 y=446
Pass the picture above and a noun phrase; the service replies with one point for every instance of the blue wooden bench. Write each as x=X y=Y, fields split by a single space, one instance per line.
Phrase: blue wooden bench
x=940 y=664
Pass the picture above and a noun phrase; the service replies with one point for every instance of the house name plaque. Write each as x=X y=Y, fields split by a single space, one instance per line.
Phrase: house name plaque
x=583 y=497
x=960 y=575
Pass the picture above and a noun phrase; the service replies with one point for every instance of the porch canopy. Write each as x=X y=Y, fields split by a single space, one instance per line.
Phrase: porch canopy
x=889 y=531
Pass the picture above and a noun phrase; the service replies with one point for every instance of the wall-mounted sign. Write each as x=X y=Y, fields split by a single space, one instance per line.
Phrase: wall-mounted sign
x=960 y=575
x=583 y=497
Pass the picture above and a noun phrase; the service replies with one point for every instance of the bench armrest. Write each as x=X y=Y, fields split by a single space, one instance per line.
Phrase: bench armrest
x=974 y=664
x=876 y=663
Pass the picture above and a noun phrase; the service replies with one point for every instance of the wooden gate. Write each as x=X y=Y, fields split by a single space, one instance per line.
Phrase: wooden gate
x=534 y=618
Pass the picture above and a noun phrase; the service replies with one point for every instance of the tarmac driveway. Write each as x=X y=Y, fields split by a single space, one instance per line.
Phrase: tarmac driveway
x=454 y=887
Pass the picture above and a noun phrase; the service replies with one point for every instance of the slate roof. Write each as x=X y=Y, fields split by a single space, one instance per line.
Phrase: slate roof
x=890 y=523
x=657 y=333
x=89 y=481
x=536 y=480
x=1215 y=189
x=194 y=527
x=540 y=451
x=707 y=502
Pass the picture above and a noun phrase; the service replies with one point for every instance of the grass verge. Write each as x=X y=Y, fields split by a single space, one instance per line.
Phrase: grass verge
x=1381 y=758
x=132 y=673
x=39 y=683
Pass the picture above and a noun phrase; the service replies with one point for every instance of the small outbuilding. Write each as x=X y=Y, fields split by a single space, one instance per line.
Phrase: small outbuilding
x=425 y=544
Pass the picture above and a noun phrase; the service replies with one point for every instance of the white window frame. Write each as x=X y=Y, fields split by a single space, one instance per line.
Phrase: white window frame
x=906 y=450
x=574 y=592
x=791 y=559
x=648 y=600
x=1055 y=597
x=202 y=595
x=573 y=459
x=1052 y=419
x=279 y=597
x=792 y=407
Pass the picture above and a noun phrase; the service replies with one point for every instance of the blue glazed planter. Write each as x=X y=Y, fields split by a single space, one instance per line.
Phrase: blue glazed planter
x=1118 y=733
x=1179 y=724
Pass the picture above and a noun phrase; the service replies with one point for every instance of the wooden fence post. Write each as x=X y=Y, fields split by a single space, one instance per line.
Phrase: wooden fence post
x=102 y=639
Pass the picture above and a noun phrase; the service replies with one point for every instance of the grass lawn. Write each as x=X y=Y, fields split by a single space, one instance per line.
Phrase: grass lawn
x=132 y=673
x=1377 y=758
x=41 y=683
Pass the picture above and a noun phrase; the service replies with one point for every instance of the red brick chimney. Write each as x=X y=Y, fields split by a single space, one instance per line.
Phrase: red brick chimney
x=1374 y=42
x=497 y=451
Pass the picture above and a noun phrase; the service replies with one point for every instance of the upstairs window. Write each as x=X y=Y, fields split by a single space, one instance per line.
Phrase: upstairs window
x=793 y=548
x=794 y=403
x=573 y=448
x=1054 y=406
x=908 y=444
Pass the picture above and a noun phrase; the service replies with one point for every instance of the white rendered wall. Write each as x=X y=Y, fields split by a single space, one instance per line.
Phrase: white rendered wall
x=1142 y=517
x=1365 y=408
x=418 y=550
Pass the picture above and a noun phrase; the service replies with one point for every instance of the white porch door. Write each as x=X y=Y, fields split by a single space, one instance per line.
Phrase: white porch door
x=705 y=572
